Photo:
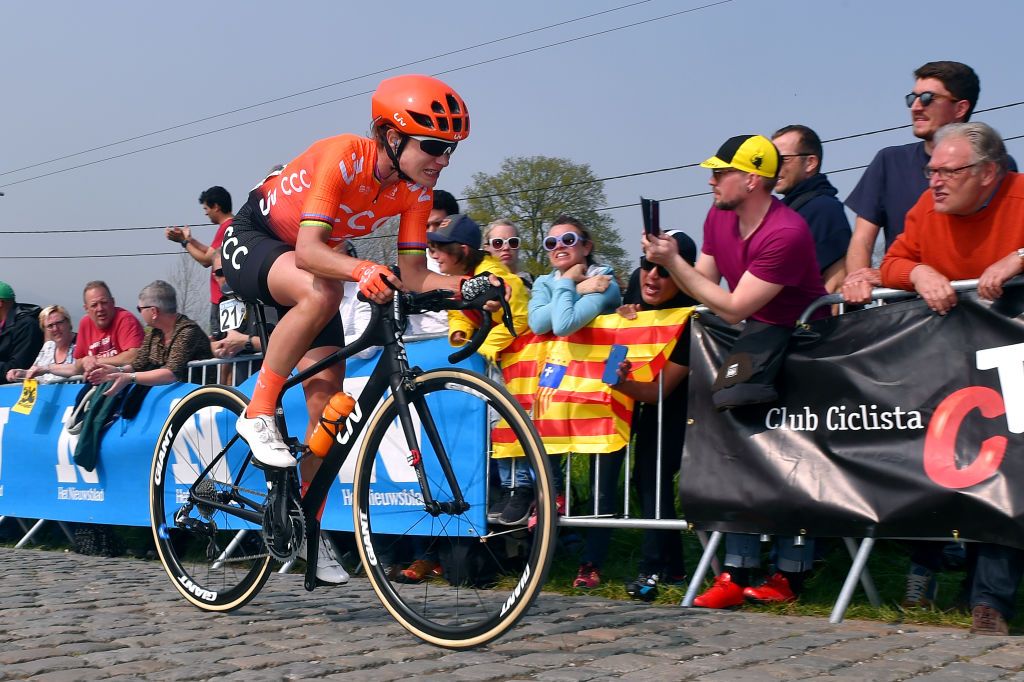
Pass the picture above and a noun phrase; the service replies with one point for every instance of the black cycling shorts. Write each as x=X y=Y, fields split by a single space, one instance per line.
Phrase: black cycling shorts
x=249 y=250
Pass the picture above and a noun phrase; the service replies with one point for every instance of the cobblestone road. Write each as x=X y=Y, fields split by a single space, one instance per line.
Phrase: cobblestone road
x=70 y=617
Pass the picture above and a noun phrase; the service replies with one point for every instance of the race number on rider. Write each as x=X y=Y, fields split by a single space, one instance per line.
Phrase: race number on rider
x=232 y=314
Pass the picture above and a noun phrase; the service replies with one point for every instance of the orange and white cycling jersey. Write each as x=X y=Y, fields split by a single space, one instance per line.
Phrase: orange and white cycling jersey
x=333 y=186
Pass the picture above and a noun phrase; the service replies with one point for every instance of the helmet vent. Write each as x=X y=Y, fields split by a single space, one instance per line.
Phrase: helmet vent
x=422 y=119
x=457 y=125
x=442 y=125
x=453 y=105
x=437 y=107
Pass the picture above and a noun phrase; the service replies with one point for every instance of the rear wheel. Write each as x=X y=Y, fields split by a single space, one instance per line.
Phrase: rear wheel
x=488 y=576
x=205 y=502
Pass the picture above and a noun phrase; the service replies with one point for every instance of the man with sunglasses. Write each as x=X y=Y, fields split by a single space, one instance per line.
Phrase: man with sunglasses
x=806 y=190
x=944 y=92
x=969 y=225
x=765 y=252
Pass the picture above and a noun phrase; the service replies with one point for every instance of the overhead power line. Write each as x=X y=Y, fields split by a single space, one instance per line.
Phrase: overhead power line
x=520 y=53
x=325 y=86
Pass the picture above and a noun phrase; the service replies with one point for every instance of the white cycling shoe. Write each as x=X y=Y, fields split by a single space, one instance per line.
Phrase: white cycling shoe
x=268 y=448
x=328 y=568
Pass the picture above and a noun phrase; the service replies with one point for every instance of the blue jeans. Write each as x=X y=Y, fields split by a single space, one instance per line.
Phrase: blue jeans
x=513 y=472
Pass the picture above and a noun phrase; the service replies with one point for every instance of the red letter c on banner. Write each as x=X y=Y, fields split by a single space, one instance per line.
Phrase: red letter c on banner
x=940 y=441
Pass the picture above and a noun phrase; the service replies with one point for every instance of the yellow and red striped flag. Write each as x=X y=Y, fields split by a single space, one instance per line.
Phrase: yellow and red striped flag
x=558 y=380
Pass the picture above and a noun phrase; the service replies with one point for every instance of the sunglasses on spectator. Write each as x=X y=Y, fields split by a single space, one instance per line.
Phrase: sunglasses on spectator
x=140 y=308
x=54 y=325
x=567 y=240
x=434 y=147
x=647 y=266
x=219 y=272
x=497 y=242
x=926 y=97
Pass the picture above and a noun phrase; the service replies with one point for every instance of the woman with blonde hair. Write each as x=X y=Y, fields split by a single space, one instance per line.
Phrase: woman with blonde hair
x=58 y=349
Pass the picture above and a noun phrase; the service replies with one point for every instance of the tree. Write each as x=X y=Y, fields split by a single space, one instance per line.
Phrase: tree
x=531 y=192
x=191 y=283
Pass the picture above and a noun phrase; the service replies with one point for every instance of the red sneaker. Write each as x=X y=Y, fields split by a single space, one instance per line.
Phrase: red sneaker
x=774 y=590
x=559 y=509
x=587 y=578
x=723 y=594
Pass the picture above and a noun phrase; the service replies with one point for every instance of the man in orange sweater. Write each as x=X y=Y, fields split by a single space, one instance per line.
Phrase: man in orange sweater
x=968 y=225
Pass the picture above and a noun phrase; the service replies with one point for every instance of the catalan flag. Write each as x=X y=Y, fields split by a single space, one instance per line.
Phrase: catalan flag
x=558 y=380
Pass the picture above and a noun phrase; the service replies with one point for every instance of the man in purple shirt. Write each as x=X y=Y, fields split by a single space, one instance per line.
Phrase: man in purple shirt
x=765 y=252
x=762 y=248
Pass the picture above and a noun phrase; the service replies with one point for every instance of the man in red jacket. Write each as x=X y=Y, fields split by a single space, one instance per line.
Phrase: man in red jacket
x=969 y=225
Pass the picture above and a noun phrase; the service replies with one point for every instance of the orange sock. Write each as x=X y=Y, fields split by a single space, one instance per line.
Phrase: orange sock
x=264 y=395
x=319 y=514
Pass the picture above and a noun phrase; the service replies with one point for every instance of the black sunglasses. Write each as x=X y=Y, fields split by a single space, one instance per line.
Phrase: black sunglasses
x=434 y=147
x=497 y=242
x=140 y=308
x=926 y=97
x=219 y=272
x=647 y=266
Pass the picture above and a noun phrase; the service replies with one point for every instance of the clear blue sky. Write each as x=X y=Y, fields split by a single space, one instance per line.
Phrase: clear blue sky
x=659 y=94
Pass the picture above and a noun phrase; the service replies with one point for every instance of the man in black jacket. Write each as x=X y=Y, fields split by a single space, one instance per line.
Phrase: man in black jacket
x=21 y=337
x=806 y=190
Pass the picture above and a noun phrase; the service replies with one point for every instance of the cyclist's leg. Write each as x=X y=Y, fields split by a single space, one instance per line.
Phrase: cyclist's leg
x=312 y=302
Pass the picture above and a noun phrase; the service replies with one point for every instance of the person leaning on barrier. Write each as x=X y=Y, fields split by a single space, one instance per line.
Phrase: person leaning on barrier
x=806 y=190
x=969 y=225
x=171 y=342
x=107 y=335
x=765 y=252
x=20 y=335
x=661 y=554
x=58 y=349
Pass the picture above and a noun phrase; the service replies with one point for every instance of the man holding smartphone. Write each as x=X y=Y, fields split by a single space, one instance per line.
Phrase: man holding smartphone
x=766 y=253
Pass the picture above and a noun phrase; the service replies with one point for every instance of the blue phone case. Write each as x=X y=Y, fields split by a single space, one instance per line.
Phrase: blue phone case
x=615 y=357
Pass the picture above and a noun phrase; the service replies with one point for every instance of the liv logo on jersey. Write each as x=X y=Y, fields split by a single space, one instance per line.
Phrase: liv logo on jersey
x=550 y=379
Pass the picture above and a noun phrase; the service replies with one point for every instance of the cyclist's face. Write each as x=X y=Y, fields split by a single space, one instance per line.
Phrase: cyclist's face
x=422 y=167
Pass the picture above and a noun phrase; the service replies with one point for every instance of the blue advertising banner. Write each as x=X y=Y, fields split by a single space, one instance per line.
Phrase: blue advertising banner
x=39 y=479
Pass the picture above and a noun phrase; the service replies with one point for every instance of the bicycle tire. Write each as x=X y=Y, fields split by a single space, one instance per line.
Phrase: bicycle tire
x=455 y=615
x=190 y=547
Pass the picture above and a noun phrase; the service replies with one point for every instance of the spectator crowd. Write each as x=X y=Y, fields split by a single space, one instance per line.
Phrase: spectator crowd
x=950 y=206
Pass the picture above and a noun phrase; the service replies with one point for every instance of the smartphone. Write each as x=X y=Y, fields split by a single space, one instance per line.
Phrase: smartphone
x=652 y=215
x=611 y=365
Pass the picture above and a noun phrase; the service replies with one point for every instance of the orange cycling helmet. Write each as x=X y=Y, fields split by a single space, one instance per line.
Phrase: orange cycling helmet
x=421 y=105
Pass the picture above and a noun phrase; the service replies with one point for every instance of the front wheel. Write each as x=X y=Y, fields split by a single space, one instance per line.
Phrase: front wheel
x=206 y=500
x=480 y=580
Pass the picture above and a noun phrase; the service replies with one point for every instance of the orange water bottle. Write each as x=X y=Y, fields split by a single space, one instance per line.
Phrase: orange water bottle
x=335 y=413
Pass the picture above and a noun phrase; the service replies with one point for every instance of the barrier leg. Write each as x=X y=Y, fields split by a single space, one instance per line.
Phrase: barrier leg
x=702 y=569
x=850 y=585
x=67 y=531
x=866 y=582
x=716 y=565
x=235 y=541
x=28 y=536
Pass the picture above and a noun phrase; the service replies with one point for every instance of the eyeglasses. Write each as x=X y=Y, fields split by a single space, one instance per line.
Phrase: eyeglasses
x=435 y=147
x=566 y=239
x=54 y=325
x=219 y=272
x=719 y=173
x=497 y=242
x=926 y=97
x=140 y=308
x=647 y=266
x=947 y=173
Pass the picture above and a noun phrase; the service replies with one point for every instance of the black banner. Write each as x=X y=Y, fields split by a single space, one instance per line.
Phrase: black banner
x=891 y=422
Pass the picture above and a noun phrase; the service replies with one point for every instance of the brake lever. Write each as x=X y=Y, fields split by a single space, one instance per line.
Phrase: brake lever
x=506 y=315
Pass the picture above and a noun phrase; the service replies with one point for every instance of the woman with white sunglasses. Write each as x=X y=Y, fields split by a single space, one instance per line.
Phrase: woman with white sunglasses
x=501 y=240
x=578 y=289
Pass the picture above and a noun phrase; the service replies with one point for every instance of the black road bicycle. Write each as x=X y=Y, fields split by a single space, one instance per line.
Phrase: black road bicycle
x=220 y=523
